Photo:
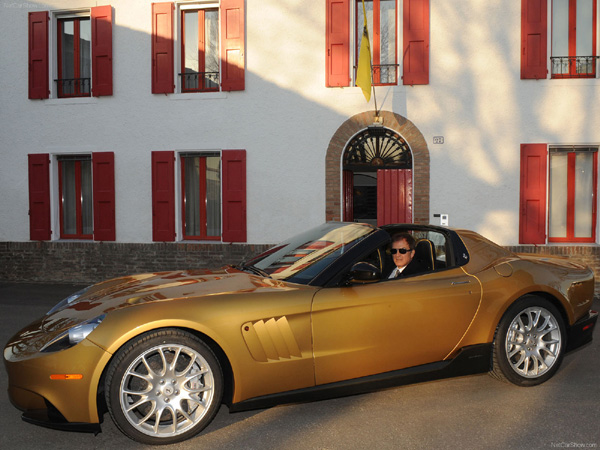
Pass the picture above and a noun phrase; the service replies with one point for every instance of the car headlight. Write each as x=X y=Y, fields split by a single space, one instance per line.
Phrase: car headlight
x=73 y=335
x=67 y=301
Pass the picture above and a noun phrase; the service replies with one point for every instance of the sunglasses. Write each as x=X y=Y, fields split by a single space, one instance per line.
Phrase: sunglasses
x=402 y=251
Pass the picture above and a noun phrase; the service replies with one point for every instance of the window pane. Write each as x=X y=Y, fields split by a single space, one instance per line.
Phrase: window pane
x=191 y=49
x=87 y=207
x=360 y=23
x=213 y=196
x=584 y=190
x=585 y=22
x=69 y=196
x=560 y=28
x=211 y=62
x=85 y=60
x=558 y=195
x=67 y=54
x=388 y=40
x=192 y=196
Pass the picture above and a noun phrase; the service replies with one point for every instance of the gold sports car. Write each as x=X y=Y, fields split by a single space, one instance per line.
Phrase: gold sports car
x=312 y=318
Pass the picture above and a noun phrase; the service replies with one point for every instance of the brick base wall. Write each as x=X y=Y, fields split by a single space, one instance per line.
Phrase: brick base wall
x=83 y=262
x=89 y=262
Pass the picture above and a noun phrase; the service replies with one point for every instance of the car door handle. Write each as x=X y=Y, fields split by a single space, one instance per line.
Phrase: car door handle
x=456 y=283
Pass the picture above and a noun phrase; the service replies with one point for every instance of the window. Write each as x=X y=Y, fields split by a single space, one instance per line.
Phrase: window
x=573 y=38
x=74 y=57
x=571 y=199
x=85 y=204
x=199 y=50
x=201 y=196
x=212 y=194
x=210 y=40
x=75 y=196
x=382 y=26
x=382 y=22
x=562 y=181
x=83 y=49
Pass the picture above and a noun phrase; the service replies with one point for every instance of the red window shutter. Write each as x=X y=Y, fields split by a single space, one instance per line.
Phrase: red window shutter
x=232 y=45
x=38 y=55
x=163 y=196
x=102 y=79
x=103 y=175
x=348 y=186
x=162 y=48
x=415 y=65
x=534 y=36
x=337 y=37
x=39 y=197
x=394 y=196
x=233 y=186
x=534 y=169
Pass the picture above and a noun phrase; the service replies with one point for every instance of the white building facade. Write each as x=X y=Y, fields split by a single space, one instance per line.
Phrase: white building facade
x=130 y=126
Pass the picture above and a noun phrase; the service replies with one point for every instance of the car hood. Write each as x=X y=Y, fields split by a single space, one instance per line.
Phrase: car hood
x=135 y=290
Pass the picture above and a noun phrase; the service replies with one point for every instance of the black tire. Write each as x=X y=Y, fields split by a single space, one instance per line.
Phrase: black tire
x=154 y=401
x=530 y=342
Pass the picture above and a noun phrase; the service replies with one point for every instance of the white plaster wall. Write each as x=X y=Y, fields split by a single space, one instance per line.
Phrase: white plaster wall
x=286 y=116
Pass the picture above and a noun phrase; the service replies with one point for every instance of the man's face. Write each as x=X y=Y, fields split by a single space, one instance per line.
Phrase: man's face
x=400 y=259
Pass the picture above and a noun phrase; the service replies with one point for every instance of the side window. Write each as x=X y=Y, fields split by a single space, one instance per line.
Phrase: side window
x=382 y=24
x=388 y=48
x=572 y=32
x=75 y=196
x=558 y=192
x=74 y=36
x=208 y=202
x=204 y=41
x=199 y=50
x=81 y=62
x=201 y=195
x=84 y=201
x=574 y=38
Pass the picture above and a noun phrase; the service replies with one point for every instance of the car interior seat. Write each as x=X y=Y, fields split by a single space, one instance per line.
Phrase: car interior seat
x=425 y=253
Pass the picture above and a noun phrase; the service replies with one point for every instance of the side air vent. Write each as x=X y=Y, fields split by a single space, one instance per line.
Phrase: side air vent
x=270 y=339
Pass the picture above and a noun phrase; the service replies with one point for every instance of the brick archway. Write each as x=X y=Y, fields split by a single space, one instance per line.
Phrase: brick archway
x=409 y=132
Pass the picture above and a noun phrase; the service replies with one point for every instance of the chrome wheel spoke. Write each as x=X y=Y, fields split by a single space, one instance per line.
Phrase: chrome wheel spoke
x=166 y=390
x=533 y=342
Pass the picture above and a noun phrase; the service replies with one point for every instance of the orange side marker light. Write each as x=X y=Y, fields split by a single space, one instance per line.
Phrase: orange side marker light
x=66 y=376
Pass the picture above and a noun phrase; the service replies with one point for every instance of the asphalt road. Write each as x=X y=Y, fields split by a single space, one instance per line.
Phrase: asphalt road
x=472 y=412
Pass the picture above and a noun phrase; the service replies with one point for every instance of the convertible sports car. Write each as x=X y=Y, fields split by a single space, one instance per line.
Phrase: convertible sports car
x=312 y=318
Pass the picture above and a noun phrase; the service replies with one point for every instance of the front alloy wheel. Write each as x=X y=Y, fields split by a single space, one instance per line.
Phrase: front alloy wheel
x=164 y=387
x=529 y=343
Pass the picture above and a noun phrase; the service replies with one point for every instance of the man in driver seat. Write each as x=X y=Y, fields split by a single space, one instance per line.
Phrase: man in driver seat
x=403 y=253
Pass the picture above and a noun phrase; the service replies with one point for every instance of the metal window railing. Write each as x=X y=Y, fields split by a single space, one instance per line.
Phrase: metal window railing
x=73 y=87
x=574 y=66
x=199 y=81
x=383 y=74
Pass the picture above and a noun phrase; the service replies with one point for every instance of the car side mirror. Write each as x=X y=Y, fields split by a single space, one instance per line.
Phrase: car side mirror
x=363 y=273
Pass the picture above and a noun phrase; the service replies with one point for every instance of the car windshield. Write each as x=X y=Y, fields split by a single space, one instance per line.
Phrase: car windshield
x=304 y=256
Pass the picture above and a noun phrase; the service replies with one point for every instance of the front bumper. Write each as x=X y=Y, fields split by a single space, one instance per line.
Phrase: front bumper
x=54 y=402
x=581 y=332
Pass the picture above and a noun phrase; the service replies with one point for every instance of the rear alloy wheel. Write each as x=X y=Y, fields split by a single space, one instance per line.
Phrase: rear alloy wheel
x=529 y=343
x=164 y=387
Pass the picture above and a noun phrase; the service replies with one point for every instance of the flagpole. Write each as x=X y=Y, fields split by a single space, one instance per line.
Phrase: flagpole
x=374 y=95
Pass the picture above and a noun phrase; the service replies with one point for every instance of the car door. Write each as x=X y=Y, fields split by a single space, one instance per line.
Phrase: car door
x=362 y=330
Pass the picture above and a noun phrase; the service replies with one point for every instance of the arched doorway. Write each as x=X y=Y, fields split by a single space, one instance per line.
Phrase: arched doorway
x=377 y=177
x=334 y=196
